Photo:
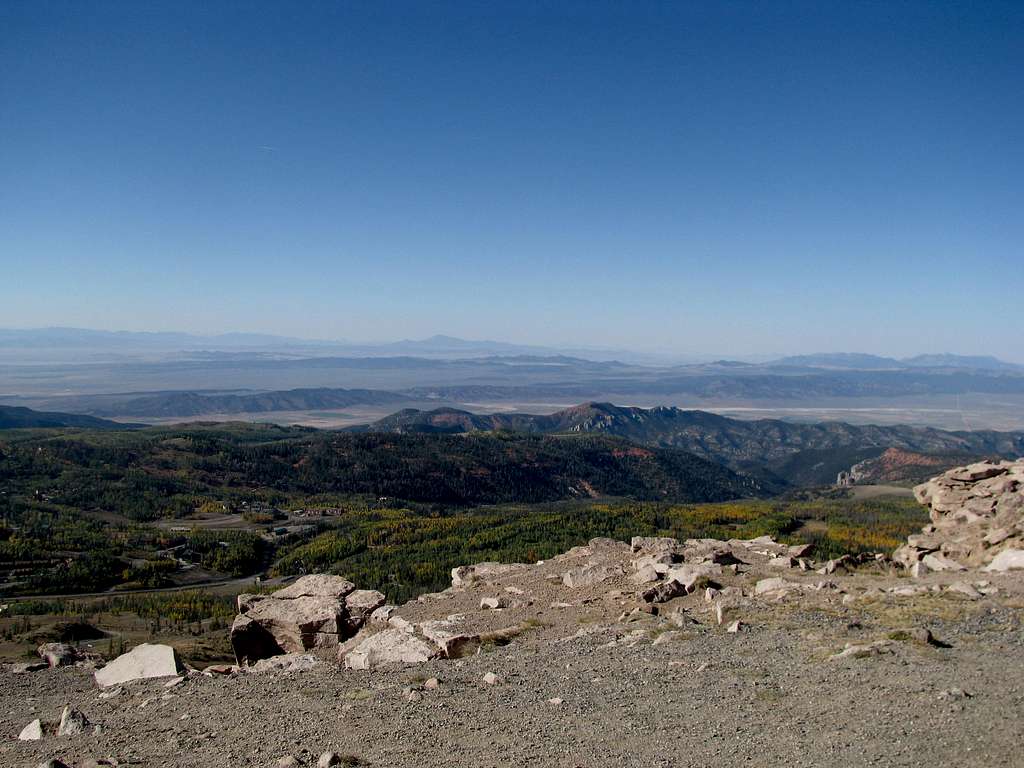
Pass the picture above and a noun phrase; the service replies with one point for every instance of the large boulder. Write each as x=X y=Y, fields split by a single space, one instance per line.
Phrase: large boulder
x=141 y=662
x=315 y=613
x=289 y=626
x=450 y=641
x=392 y=646
x=316 y=585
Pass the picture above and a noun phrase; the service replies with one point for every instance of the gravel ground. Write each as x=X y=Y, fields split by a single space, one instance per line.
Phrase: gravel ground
x=633 y=692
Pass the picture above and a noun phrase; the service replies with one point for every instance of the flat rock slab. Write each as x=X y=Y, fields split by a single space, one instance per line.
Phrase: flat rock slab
x=144 y=661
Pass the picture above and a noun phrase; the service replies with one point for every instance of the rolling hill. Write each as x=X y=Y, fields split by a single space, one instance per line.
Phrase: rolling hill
x=803 y=454
x=143 y=474
x=16 y=417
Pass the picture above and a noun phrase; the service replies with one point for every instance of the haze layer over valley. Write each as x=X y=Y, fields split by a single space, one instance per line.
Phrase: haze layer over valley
x=162 y=378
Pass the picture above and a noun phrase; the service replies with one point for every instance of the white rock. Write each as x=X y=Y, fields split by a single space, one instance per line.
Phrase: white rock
x=392 y=646
x=491 y=679
x=288 y=662
x=937 y=561
x=776 y=584
x=1007 y=560
x=316 y=585
x=382 y=615
x=449 y=639
x=397 y=622
x=144 y=661
x=964 y=589
x=736 y=626
x=32 y=732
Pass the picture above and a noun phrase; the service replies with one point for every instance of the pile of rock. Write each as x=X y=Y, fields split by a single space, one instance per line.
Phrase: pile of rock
x=674 y=569
x=390 y=639
x=977 y=519
x=316 y=613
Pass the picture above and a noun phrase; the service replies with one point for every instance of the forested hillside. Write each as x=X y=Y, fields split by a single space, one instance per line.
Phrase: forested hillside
x=800 y=454
x=149 y=473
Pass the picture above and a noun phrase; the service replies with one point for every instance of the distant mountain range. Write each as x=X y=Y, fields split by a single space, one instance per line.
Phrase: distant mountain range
x=84 y=340
x=798 y=454
x=14 y=417
x=862 y=362
x=190 y=404
x=41 y=341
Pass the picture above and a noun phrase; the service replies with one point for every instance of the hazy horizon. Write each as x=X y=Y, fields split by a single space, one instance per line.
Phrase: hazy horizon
x=549 y=347
x=732 y=180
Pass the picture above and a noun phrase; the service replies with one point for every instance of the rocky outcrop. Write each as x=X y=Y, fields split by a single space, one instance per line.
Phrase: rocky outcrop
x=316 y=613
x=977 y=519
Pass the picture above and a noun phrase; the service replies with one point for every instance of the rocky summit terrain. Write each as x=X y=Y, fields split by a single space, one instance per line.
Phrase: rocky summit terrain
x=653 y=652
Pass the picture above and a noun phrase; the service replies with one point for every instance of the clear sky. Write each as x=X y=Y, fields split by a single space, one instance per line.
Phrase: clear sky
x=699 y=177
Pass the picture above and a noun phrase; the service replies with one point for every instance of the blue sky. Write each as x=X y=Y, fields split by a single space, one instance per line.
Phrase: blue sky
x=722 y=178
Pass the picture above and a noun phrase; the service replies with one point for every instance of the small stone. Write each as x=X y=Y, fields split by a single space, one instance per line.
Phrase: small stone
x=432 y=684
x=923 y=635
x=72 y=722
x=328 y=759
x=555 y=701
x=32 y=732
x=491 y=679
x=288 y=761
x=736 y=626
x=953 y=694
